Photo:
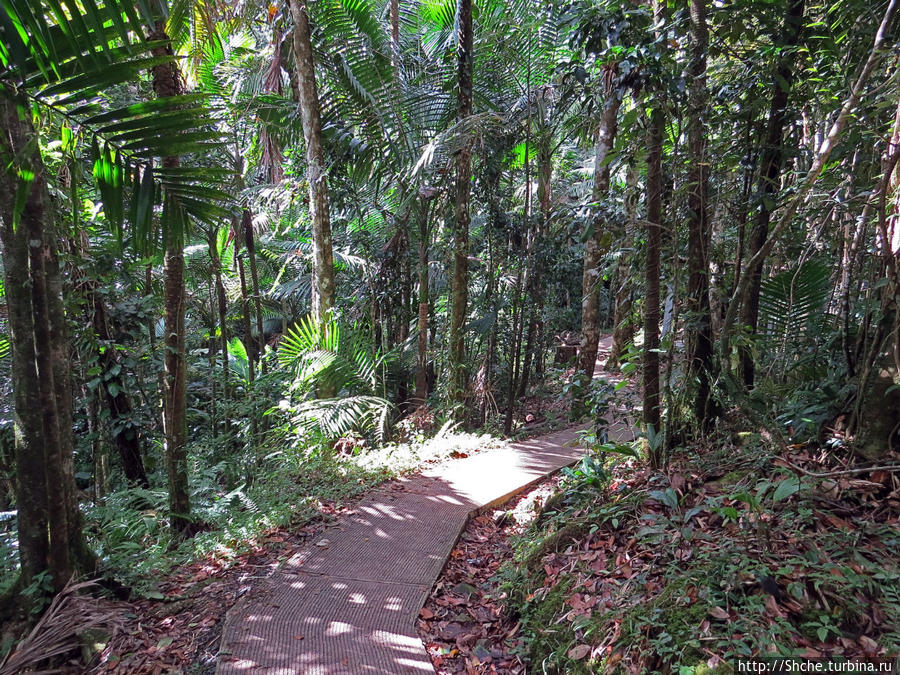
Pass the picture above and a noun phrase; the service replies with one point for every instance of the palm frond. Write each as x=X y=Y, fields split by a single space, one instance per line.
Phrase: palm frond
x=335 y=417
x=792 y=301
x=63 y=56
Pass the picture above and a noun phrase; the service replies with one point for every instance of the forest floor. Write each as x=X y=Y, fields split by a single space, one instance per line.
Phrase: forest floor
x=678 y=572
x=177 y=626
x=734 y=551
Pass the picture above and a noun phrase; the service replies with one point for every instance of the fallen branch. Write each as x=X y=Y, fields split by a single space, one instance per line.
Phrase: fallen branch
x=845 y=472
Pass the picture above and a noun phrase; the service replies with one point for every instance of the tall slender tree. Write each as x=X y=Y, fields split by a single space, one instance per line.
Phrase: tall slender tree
x=655 y=131
x=597 y=244
x=460 y=284
x=167 y=82
x=323 y=259
x=698 y=331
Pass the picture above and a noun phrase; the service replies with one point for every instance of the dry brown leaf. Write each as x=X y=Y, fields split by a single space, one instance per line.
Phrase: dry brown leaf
x=579 y=652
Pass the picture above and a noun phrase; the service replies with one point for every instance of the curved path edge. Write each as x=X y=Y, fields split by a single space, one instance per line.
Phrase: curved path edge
x=347 y=604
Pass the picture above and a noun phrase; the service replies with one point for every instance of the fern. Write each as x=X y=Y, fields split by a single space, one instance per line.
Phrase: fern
x=789 y=301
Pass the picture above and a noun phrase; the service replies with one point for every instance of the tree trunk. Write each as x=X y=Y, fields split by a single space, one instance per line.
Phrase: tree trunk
x=49 y=521
x=222 y=309
x=245 y=305
x=533 y=341
x=211 y=360
x=545 y=177
x=594 y=251
x=770 y=172
x=395 y=30
x=323 y=260
x=251 y=368
x=698 y=332
x=250 y=243
x=655 y=132
x=460 y=284
x=167 y=82
x=623 y=326
x=422 y=353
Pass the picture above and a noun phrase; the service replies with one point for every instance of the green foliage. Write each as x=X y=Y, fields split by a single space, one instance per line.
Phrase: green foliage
x=791 y=304
x=38 y=594
x=318 y=359
x=62 y=61
x=129 y=530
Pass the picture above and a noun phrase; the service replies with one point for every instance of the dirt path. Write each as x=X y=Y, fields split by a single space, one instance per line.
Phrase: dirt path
x=347 y=604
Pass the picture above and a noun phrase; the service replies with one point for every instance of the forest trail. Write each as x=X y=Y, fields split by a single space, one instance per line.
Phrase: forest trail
x=347 y=604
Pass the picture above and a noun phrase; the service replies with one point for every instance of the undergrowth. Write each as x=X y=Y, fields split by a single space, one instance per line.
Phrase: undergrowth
x=728 y=555
x=129 y=528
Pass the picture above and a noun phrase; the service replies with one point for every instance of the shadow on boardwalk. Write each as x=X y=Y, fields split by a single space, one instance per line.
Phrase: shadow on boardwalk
x=347 y=604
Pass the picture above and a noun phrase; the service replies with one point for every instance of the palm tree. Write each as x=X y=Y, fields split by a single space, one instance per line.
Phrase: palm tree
x=460 y=285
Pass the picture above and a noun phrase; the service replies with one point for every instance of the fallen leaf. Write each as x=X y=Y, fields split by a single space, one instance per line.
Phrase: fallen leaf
x=870 y=647
x=579 y=652
x=718 y=613
x=772 y=607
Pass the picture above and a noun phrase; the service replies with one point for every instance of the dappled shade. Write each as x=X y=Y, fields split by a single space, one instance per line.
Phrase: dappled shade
x=347 y=603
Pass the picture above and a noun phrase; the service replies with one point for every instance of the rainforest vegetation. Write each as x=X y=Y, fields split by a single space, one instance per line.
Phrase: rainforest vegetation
x=259 y=257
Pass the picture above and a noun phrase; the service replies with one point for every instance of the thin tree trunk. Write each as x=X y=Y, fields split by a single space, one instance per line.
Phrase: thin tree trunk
x=251 y=368
x=545 y=177
x=623 y=325
x=770 y=172
x=211 y=358
x=515 y=350
x=744 y=207
x=159 y=398
x=460 y=284
x=167 y=82
x=250 y=243
x=245 y=305
x=99 y=454
x=652 y=421
x=395 y=30
x=594 y=251
x=698 y=333
x=422 y=353
x=222 y=309
x=323 y=260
